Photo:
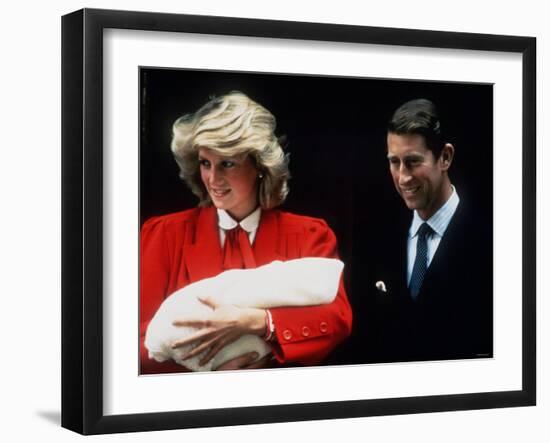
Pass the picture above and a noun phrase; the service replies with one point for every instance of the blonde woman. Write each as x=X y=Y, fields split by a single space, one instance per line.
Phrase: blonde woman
x=231 y=160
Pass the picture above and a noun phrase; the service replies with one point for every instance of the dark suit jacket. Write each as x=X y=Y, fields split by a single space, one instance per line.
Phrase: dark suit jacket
x=452 y=318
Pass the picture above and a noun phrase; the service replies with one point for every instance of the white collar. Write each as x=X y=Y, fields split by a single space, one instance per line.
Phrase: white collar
x=440 y=220
x=249 y=224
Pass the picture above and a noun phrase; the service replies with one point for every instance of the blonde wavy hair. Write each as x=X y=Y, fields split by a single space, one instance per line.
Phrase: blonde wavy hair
x=232 y=125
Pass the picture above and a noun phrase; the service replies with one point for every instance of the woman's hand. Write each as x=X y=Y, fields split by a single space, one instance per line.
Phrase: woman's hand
x=226 y=324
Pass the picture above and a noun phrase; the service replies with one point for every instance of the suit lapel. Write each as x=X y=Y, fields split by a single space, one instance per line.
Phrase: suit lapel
x=441 y=263
x=204 y=257
x=392 y=263
x=401 y=265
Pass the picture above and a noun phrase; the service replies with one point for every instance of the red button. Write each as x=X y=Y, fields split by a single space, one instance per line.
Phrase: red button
x=306 y=331
x=287 y=334
x=323 y=327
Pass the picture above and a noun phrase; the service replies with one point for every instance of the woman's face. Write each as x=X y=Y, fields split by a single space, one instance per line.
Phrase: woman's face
x=231 y=182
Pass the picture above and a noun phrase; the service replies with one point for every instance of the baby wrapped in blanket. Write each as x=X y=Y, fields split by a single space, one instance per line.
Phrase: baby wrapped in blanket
x=301 y=282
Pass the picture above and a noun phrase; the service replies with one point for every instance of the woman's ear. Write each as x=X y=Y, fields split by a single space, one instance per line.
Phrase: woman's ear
x=446 y=157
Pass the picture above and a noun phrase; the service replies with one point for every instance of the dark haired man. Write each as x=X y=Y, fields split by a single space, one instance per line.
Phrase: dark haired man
x=430 y=285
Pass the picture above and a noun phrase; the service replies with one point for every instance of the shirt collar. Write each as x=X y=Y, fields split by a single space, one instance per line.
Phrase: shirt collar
x=249 y=224
x=440 y=220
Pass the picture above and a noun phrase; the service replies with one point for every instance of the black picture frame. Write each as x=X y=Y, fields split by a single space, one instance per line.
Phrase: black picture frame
x=82 y=220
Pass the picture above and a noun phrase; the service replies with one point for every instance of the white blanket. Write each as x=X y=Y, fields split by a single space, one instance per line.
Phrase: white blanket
x=300 y=282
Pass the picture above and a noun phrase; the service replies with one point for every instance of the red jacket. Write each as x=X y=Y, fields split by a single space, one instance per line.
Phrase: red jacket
x=184 y=247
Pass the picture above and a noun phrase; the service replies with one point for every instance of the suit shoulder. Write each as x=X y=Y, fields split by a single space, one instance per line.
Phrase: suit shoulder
x=471 y=221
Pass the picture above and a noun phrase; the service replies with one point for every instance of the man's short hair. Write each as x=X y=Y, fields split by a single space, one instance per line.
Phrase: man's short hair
x=419 y=116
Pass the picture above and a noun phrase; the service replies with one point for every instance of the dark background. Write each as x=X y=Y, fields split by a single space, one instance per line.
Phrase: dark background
x=336 y=132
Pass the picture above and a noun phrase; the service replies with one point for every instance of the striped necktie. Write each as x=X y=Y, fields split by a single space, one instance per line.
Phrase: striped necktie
x=421 y=260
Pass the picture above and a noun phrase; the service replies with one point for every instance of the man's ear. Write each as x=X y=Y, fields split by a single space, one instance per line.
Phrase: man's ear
x=446 y=157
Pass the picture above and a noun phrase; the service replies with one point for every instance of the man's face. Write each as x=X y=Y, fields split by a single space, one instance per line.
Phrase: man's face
x=418 y=176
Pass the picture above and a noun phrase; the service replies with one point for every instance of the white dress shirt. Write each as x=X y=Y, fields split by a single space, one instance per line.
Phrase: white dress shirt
x=438 y=222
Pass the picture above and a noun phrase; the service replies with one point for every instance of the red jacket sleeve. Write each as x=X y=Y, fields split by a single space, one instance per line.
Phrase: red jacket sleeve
x=306 y=335
x=154 y=286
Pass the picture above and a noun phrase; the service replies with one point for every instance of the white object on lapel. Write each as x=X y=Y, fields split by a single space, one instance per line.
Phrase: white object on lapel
x=381 y=286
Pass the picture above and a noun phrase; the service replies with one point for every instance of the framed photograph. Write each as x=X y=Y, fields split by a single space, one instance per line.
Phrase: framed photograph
x=208 y=158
